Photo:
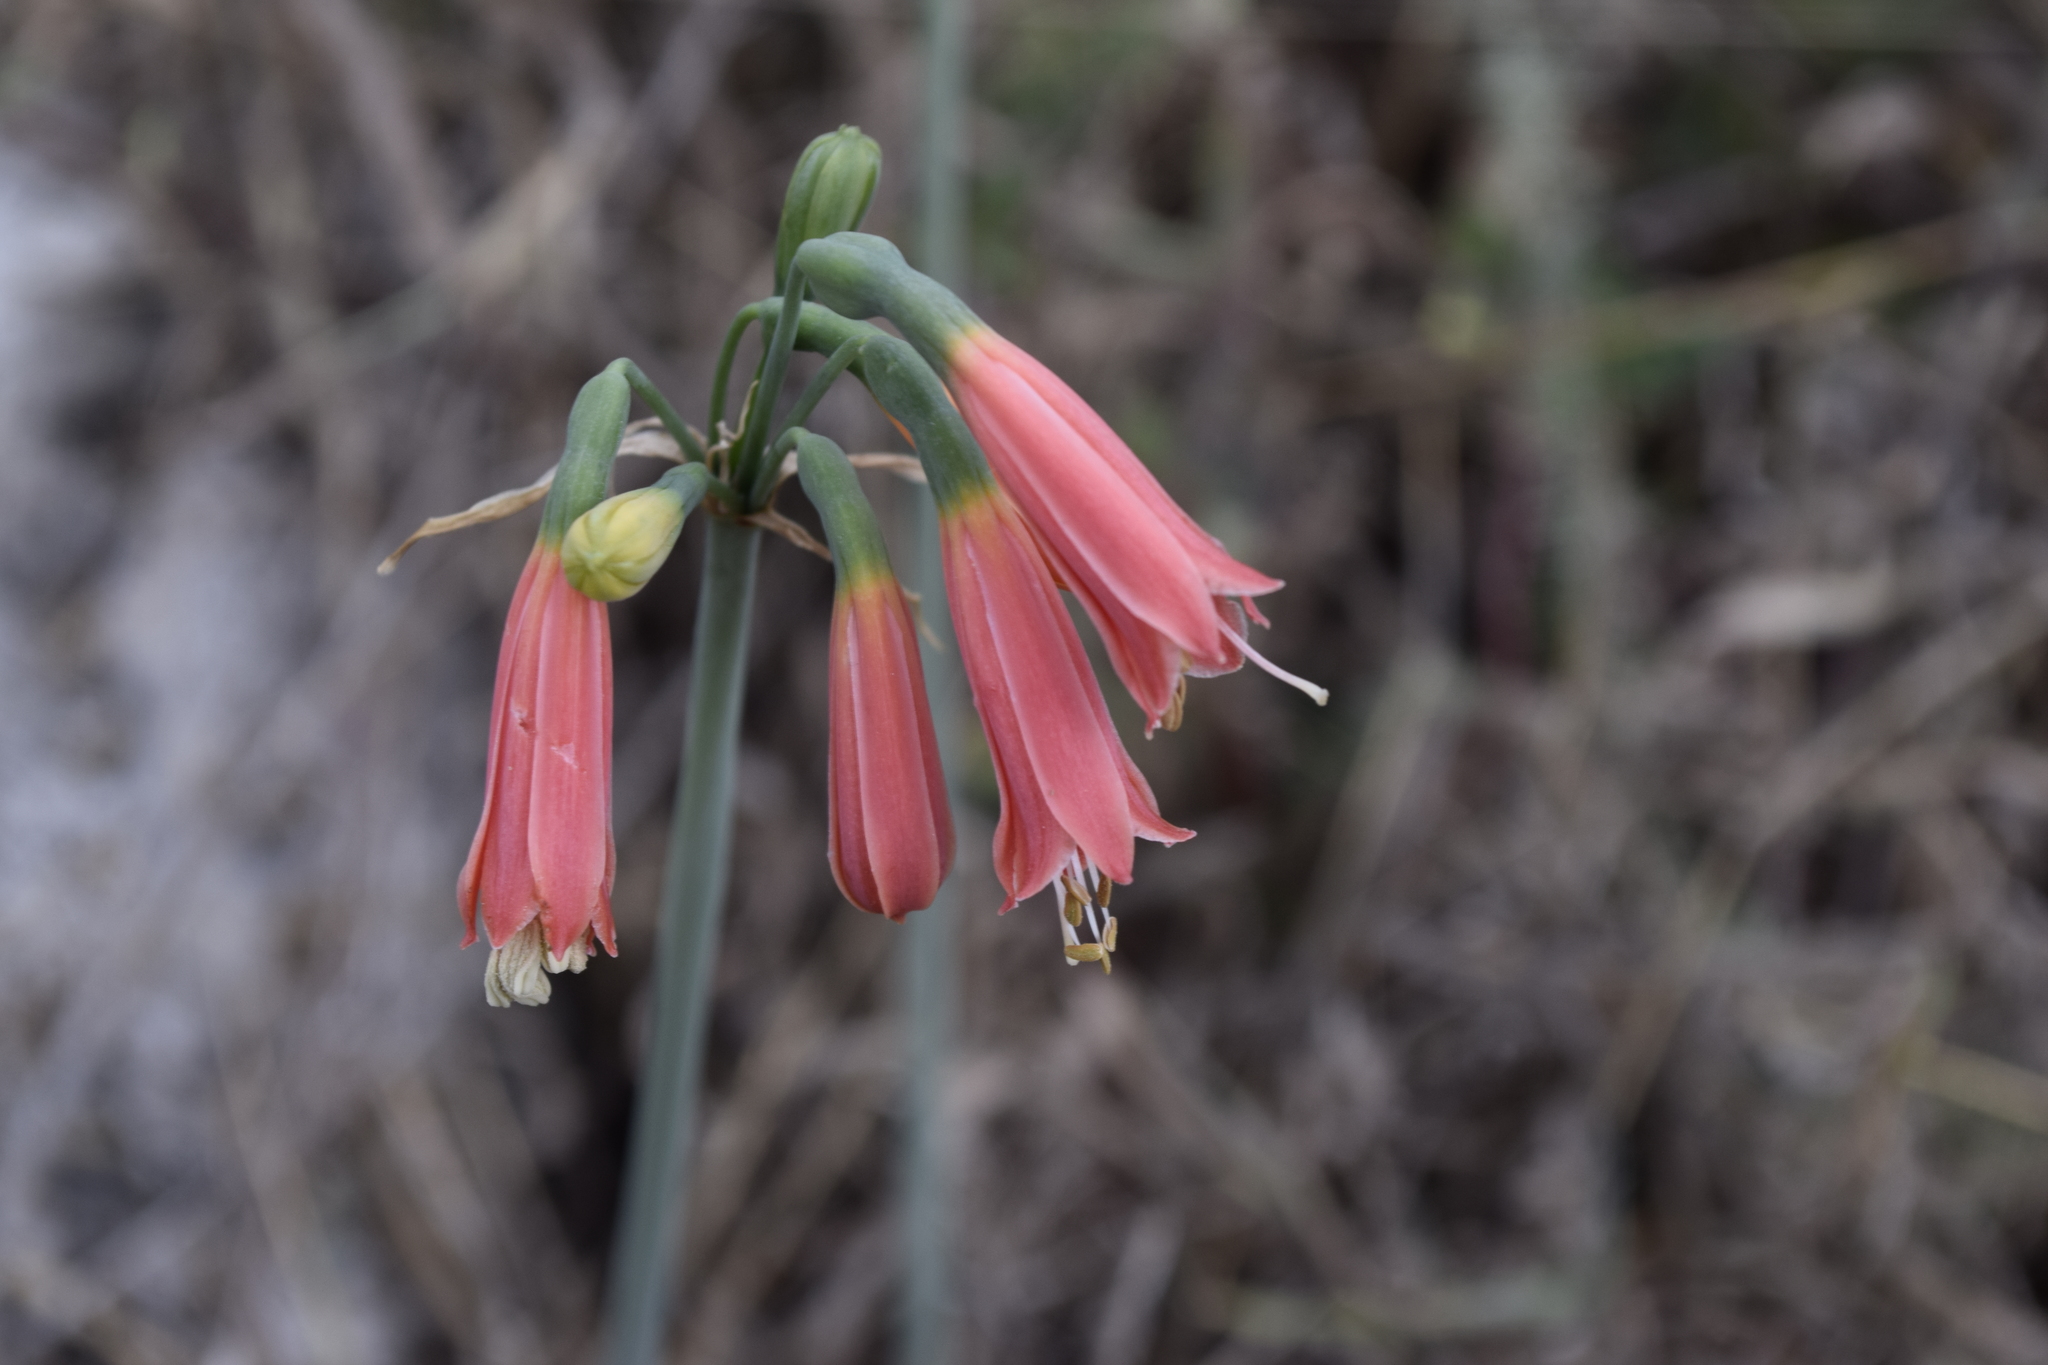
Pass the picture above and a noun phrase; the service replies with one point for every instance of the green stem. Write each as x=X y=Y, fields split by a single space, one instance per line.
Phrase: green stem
x=721 y=375
x=643 y=1273
x=657 y=401
x=753 y=474
x=928 y=961
x=800 y=412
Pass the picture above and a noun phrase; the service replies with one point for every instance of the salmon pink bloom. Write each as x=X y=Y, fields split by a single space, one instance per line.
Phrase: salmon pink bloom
x=1166 y=597
x=539 y=874
x=891 y=829
x=1072 y=801
x=891 y=840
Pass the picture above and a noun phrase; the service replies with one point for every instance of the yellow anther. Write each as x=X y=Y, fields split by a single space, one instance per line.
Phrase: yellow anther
x=1072 y=909
x=1109 y=935
x=1171 y=720
x=1084 y=952
x=1106 y=887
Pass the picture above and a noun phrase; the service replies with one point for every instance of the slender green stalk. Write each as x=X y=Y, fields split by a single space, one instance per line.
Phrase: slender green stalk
x=929 y=976
x=657 y=401
x=942 y=193
x=800 y=411
x=753 y=474
x=653 y=1204
x=721 y=375
x=930 y=949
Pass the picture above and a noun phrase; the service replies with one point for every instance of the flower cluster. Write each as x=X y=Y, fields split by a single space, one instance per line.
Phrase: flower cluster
x=1035 y=494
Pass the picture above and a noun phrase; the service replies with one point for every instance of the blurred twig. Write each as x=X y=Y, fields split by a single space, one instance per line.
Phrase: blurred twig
x=1805 y=288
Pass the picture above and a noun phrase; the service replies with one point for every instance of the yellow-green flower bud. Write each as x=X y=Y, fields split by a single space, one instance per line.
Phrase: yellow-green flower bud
x=612 y=550
x=828 y=192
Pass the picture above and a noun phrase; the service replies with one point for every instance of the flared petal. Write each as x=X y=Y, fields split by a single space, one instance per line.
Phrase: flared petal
x=497 y=881
x=1104 y=533
x=1066 y=782
x=1156 y=586
x=892 y=830
x=846 y=829
x=1030 y=843
x=1224 y=574
x=568 y=832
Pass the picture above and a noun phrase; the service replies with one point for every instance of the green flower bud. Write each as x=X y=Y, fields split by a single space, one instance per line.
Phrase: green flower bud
x=612 y=550
x=828 y=193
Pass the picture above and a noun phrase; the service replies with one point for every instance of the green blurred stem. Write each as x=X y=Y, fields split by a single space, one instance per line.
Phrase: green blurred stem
x=657 y=402
x=643 y=1274
x=928 y=959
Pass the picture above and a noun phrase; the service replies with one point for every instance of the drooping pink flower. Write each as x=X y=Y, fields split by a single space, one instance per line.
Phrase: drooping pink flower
x=543 y=854
x=891 y=828
x=1073 y=803
x=1165 y=595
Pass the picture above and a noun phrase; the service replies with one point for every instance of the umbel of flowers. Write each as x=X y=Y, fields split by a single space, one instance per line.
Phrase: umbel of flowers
x=1035 y=494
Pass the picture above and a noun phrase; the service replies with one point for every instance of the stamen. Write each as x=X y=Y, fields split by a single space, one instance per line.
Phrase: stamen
x=1171 y=720
x=1320 y=695
x=1084 y=901
x=575 y=960
x=517 y=973
x=513 y=973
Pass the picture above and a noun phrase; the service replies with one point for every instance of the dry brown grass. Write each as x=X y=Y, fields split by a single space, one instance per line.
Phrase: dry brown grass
x=1641 y=960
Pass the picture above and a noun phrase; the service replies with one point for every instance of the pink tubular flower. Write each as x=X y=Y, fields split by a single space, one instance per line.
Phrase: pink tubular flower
x=1165 y=595
x=539 y=873
x=1072 y=800
x=891 y=828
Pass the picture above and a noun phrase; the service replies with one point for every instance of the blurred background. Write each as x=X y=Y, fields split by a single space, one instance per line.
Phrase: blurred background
x=1644 y=958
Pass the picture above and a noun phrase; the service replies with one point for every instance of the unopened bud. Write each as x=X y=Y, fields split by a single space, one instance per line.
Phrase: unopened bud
x=828 y=192
x=612 y=550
